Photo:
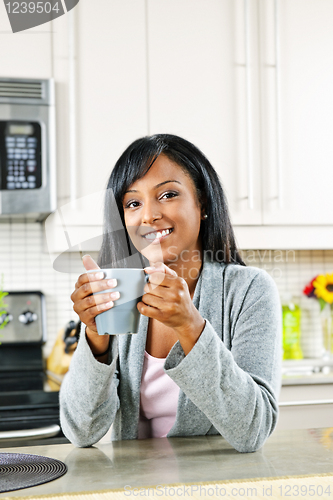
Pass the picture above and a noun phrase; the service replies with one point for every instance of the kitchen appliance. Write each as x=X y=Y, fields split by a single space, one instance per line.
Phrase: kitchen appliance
x=27 y=149
x=28 y=413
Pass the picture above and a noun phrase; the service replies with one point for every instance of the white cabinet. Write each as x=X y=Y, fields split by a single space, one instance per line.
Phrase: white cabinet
x=198 y=89
x=252 y=93
x=26 y=54
x=111 y=86
x=305 y=406
x=100 y=68
x=110 y=89
x=250 y=83
x=297 y=111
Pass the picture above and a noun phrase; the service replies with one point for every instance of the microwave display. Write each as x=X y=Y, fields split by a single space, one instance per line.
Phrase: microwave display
x=20 y=155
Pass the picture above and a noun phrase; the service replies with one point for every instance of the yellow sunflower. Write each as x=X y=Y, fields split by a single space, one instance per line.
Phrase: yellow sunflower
x=323 y=287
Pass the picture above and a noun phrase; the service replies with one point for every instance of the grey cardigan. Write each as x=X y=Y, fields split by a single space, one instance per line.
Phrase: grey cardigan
x=229 y=382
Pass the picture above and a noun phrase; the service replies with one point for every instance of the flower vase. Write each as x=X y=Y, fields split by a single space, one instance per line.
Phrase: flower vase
x=327 y=326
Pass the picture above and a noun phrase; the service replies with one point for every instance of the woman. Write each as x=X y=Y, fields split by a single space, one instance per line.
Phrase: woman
x=207 y=357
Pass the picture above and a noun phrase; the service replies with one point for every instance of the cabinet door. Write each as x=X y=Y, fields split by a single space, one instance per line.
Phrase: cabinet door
x=109 y=52
x=111 y=86
x=198 y=89
x=305 y=406
x=297 y=111
x=26 y=54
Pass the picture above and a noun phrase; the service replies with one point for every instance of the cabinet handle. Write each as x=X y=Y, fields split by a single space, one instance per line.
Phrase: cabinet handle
x=72 y=105
x=310 y=402
x=248 y=104
x=278 y=98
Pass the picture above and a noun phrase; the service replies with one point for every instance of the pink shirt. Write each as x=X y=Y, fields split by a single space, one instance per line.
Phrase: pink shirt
x=158 y=399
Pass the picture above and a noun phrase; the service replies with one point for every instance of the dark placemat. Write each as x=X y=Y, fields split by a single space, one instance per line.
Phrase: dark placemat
x=20 y=470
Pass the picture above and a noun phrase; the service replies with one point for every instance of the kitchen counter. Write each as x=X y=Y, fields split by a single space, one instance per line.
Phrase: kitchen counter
x=149 y=462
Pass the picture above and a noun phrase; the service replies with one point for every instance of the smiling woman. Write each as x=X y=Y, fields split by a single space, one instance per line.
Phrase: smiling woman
x=207 y=357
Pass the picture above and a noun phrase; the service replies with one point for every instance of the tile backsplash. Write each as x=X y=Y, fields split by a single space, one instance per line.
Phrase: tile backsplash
x=26 y=265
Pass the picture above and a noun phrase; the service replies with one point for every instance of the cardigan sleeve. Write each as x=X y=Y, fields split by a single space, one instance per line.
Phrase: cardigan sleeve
x=237 y=389
x=88 y=394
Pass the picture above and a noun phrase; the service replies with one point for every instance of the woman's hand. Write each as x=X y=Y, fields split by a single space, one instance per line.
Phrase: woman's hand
x=167 y=299
x=87 y=305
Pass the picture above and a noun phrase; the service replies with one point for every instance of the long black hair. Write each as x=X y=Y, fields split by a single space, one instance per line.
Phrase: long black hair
x=216 y=232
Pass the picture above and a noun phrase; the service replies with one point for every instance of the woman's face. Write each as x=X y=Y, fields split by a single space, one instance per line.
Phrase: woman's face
x=164 y=199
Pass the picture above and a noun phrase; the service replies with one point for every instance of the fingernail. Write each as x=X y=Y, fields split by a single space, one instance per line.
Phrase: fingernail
x=112 y=282
x=99 y=276
x=149 y=268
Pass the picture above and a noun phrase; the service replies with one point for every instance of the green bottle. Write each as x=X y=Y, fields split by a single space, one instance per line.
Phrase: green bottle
x=291 y=323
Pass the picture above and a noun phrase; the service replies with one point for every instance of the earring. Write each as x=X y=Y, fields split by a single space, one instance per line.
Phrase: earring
x=205 y=216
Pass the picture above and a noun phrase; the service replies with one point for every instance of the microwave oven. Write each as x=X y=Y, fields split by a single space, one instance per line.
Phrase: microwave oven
x=27 y=149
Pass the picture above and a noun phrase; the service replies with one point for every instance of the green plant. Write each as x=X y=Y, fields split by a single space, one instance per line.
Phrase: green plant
x=3 y=305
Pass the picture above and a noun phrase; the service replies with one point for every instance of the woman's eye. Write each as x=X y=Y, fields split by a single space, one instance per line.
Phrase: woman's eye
x=172 y=195
x=130 y=203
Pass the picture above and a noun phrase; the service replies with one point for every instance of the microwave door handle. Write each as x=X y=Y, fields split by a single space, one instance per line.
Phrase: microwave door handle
x=41 y=432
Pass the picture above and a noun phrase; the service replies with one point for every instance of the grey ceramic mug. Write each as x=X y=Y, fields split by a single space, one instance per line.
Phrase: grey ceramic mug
x=124 y=316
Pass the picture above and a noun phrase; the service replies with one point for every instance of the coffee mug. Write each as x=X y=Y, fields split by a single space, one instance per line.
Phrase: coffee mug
x=123 y=317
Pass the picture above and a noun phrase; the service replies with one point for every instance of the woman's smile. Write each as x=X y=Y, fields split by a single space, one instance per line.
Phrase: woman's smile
x=158 y=236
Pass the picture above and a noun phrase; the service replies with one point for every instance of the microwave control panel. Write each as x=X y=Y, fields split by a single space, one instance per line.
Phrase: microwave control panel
x=20 y=155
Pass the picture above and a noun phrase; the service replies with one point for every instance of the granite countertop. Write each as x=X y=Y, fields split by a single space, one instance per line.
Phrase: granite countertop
x=149 y=462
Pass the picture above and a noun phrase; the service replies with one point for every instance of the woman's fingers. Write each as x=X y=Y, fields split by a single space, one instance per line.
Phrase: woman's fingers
x=89 y=287
x=92 y=305
x=89 y=263
x=153 y=300
x=98 y=300
x=87 y=316
x=96 y=303
x=87 y=303
x=164 y=280
x=160 y=267
x=87 y=278
x=160 y=273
